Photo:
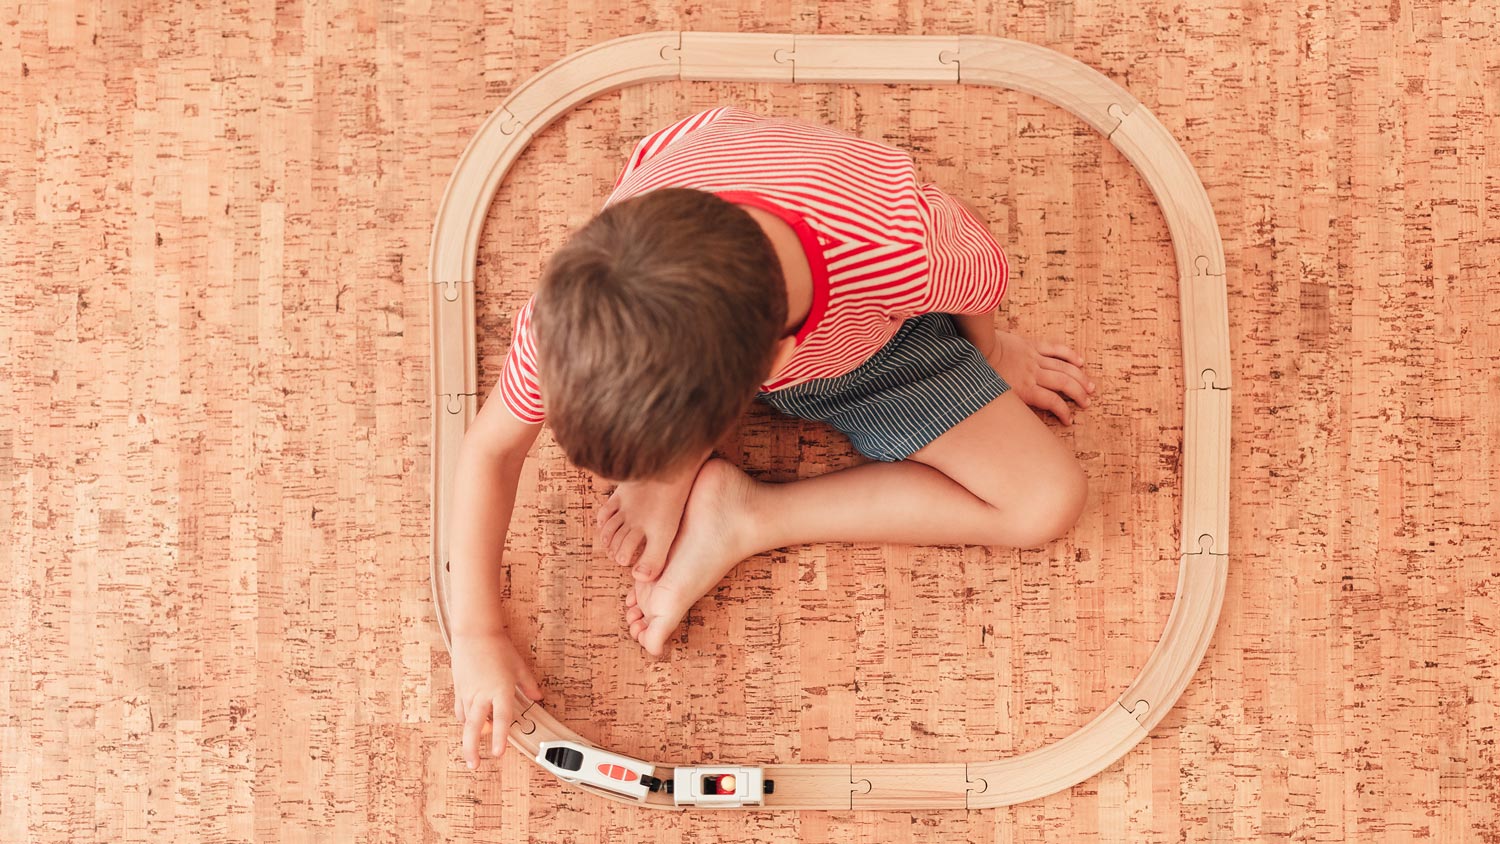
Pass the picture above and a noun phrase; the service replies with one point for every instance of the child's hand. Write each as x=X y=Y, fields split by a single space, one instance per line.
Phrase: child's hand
x=1042 y=373
x=486 y=671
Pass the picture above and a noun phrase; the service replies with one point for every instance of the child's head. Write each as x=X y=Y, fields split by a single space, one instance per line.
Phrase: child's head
x=654 y=325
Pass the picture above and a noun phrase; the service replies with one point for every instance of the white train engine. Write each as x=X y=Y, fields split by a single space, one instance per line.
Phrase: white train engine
x=580 y=763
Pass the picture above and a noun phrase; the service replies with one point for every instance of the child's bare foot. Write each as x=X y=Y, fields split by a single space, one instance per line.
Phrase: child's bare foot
x=712 y=540
x=642 y=517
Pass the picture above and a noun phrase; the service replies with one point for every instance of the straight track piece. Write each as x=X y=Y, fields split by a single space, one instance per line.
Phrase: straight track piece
x=1205 y=329
x=1005 y=63
x=873 y=58
x=1205 y=471
x=1190 y=627
x=453 y=359
x=735 y=56
x=816 y=786
x=451 y=417
x=929 y=786
x=1094 y=747
x=1170 y=175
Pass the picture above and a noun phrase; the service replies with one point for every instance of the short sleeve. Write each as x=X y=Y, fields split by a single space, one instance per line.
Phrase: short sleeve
x=519 y=386
x=652 y=145
x=969 y=271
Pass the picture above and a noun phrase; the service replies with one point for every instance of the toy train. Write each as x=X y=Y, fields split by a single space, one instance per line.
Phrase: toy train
x=736 y=785
x=720 y=785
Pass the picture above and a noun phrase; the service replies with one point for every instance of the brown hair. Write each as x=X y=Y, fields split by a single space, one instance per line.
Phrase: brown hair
x=654 y=325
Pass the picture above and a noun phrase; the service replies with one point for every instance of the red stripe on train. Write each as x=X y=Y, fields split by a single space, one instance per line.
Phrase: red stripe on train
x=618 y=772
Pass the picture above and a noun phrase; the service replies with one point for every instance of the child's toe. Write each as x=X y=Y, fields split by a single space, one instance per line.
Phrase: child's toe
x=611 y=527
x=633 y=547
x=653 y=559
x=654 y=637
x=604 y=509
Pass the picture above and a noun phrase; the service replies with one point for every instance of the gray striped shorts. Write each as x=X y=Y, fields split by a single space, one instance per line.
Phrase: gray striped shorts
x=927 y=379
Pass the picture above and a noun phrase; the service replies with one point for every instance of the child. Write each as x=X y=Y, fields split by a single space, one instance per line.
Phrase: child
x=743 y=256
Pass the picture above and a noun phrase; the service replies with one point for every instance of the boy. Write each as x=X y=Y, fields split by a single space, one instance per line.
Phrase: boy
x=744 y=256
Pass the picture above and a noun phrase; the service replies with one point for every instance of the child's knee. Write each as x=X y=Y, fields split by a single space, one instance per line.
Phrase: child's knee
x=1053 y=509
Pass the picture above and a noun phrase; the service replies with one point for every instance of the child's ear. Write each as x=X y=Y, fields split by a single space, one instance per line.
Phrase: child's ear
x=785 y=348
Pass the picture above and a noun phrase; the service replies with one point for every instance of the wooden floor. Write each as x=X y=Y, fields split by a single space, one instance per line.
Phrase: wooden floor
x=214 y=430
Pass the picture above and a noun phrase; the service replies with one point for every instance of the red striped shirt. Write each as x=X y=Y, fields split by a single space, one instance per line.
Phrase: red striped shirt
x=882 y=248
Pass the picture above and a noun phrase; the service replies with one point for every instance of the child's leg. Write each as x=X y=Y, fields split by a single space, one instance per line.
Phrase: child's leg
x=999 y=477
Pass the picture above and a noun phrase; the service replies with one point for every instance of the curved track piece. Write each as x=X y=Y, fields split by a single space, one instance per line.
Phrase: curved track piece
x=978 y=60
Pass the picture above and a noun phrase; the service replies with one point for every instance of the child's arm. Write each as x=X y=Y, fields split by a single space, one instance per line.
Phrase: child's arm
x=978 y=329
x=486 y=666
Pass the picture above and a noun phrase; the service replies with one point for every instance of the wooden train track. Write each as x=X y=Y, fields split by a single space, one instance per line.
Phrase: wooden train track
x=975 y=60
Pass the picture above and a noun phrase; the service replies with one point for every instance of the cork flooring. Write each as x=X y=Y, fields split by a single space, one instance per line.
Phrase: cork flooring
x=214 y=430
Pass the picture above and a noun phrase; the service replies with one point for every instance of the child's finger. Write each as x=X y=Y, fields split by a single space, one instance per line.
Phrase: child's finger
x=1053 y=403
x=1063 y=366
x=501 y=725
x=529 y=686
x=472 y=728
x=458 y=707
x=1058 y=350
x=1062 y=382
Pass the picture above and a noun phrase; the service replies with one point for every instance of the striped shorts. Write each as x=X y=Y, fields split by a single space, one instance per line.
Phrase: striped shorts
x=927 y=379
